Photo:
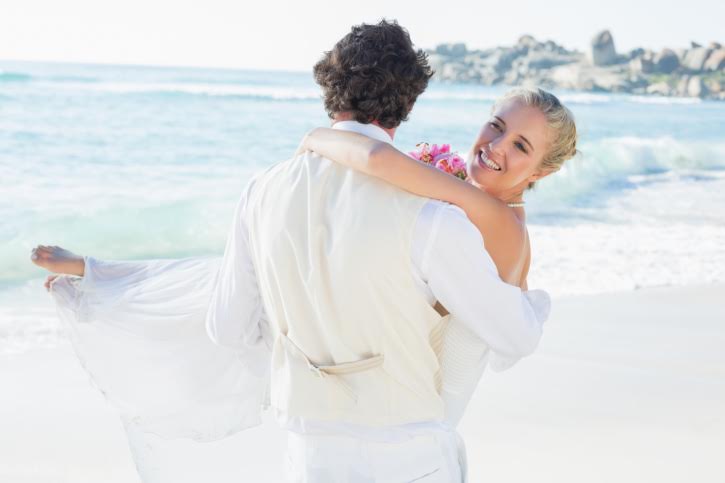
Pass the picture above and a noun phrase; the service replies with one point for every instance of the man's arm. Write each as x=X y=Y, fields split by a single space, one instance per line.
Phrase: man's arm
x=235 y=309
x=463 y=277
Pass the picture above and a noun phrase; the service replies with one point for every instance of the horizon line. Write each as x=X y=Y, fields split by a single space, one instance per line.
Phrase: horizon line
x=149 y=65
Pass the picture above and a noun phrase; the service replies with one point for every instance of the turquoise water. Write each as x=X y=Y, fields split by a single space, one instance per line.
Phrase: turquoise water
x=135 y=162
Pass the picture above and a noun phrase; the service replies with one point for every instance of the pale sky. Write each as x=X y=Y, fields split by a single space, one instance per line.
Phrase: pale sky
x=291 y=35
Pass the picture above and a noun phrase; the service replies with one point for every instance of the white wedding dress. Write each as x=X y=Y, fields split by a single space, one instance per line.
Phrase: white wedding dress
x=138 y=328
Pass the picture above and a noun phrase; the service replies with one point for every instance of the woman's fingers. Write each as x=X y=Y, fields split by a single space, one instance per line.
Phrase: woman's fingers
x=49 y=281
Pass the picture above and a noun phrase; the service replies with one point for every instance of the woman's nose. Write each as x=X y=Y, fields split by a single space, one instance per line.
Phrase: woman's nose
x=496 y=146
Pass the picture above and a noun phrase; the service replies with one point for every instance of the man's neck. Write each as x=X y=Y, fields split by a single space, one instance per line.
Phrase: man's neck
x=346 y=116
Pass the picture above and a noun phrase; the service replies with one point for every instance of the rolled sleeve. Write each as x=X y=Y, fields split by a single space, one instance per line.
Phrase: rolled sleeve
x=462 y=276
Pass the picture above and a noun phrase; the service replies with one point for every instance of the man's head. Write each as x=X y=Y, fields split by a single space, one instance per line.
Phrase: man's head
x=373 y=74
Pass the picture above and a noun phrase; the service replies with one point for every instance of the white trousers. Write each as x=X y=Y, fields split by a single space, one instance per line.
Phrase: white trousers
x=431 y=457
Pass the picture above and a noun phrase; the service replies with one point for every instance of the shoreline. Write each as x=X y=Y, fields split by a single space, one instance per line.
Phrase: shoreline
x=624 y=387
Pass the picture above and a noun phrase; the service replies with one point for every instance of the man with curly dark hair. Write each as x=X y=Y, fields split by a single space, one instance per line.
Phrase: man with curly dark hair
x=373 y=75
x=339 y=273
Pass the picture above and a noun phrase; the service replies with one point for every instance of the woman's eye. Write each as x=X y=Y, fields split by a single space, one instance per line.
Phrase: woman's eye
x=495 y=126
x=520 y=146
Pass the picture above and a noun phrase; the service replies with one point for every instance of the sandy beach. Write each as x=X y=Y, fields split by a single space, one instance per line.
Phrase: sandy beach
x=626 y=387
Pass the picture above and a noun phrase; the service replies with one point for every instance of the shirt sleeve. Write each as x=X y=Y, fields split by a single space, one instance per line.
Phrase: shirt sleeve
x=462 y=276
x=235 y=312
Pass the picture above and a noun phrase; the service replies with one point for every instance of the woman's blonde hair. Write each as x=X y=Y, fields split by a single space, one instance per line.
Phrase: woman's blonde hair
x=559 y=119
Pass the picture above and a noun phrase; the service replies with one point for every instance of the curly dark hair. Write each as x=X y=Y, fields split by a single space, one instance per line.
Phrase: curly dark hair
x=374 y=73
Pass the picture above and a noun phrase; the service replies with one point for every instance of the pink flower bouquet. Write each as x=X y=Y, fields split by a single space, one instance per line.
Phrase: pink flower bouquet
x=442 y=158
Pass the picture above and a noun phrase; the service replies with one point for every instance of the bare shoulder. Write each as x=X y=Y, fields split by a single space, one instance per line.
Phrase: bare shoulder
x=509 y=249
x=527 y=263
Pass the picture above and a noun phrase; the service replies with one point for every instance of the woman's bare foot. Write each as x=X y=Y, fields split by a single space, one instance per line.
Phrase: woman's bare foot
x=58 y=260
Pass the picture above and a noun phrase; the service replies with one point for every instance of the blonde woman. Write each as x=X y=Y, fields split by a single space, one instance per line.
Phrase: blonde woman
x=528 y=136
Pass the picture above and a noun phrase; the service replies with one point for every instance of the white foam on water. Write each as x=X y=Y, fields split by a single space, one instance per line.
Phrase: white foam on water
x=610 y=167
x=667 y=231
x=237 y=90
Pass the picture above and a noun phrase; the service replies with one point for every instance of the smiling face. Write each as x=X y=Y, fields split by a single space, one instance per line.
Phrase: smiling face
x=508 y=152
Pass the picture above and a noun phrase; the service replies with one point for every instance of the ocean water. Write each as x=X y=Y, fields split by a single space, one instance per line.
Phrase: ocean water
x=128 y=162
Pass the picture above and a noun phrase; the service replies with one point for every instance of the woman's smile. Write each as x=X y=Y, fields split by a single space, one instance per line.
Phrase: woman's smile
x=486 y=162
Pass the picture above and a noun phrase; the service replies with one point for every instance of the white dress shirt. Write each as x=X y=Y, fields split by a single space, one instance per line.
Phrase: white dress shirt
x=449 y=264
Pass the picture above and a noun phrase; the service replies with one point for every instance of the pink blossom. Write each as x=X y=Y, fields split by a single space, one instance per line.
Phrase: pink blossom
x=436 y=150
x=442 y=158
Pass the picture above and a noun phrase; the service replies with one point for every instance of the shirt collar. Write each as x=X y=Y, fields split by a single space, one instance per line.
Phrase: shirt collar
x=369 y=130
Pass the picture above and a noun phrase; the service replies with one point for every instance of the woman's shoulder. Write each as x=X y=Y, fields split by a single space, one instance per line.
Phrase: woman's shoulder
x=509 y=248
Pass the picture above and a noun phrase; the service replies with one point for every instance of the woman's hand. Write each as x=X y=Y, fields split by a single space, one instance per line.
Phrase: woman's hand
x=302 y=148
x=350 y=149
x=306 y=143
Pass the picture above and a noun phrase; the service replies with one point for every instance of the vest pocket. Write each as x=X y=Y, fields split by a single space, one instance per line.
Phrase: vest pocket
x=301 y=383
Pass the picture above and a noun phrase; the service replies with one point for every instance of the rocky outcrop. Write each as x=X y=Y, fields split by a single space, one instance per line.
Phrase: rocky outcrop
x=666 y=61
x=695 y=59
x=696 y=87
x=602 y=51
x=451 y=50
x=659 y=88
x=716 y=60
x=696 y=71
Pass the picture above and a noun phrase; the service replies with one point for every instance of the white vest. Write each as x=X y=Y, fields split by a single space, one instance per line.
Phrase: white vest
x=354 y=335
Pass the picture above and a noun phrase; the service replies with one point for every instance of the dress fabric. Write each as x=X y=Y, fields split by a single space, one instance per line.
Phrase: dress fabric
x=138 y=329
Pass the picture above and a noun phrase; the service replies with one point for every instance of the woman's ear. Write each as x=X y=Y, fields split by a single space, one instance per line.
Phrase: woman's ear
x=539 y=174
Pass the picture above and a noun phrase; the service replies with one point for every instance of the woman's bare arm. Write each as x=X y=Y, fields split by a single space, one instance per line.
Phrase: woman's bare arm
x=502 y=231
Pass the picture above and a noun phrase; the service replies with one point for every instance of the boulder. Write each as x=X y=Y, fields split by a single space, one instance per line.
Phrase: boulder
x=551 y=46
x=584 y=77
x=544 y=60
x=714 y=45
x=681 y=88
x=472 y=59
x=512 y=77
x=694 y=45
x=633 y=54
x=602 y=51
x=450 y=71
x=659 y=88
x=716 y=60
x=501 y=59
x=666 y=61
x=696 y=87
x=567 y=76
x=637 y=81
x=611 y=83
x=681 y=53
x=436 y=61
x=452 y=50
x=640 y=65
x=696 y=58
x=714 y=86
x=527 y=41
